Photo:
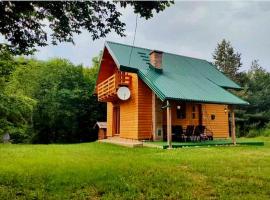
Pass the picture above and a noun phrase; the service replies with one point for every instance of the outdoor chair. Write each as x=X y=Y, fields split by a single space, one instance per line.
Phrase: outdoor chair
x=188 y=134
x=177 y=132
x=199 y=133
x=209 y=134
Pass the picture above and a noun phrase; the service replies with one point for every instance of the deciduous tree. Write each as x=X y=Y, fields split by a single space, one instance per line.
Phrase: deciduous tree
x=24 y=24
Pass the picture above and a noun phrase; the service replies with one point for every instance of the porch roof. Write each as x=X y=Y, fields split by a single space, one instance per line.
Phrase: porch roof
x=182 y=78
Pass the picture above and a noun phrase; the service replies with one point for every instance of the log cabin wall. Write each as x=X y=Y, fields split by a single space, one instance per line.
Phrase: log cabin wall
x=136 y=120
x=109 y=119
x=188 y=120
x=216 y=119
x=107 y=67
x=129 y=112
x=213 y=117
x=144 y=111
x=157 y=118
x=135 y=113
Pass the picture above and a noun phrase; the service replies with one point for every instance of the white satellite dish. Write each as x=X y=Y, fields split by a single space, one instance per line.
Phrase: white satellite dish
x=123 y=93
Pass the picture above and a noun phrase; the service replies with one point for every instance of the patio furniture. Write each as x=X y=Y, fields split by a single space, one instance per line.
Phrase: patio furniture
x=188 y=134
x=209 y=134
x=177 y=132
x=199 y=133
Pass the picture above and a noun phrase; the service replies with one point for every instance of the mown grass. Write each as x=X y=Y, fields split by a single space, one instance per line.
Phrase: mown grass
x=104 y=171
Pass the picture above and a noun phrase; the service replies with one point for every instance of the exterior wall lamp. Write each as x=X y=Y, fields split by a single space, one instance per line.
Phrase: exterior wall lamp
x=225 y=109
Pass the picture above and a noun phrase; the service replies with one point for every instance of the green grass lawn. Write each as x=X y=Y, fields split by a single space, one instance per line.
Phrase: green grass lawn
x=105 y=171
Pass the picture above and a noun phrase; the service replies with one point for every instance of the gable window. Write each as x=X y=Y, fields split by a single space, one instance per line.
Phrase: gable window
x=181 y=111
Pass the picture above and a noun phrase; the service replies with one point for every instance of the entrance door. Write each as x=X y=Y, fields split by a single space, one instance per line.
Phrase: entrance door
x=196 y=115
x=116 y=120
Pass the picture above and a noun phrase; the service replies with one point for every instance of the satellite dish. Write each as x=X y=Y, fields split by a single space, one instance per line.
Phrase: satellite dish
x=123 y=93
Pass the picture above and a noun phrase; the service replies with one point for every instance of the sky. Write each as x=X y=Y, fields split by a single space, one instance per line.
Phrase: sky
x=186 y=28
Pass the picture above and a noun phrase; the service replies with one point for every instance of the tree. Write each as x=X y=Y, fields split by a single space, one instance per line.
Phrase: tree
x=256 y=68
x=61 y=108
x=227 y=60
x=6 y=68
x=256 y=87
x=24 y=24
x=15 y=110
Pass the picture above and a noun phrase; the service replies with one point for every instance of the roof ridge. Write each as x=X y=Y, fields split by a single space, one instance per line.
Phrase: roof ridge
x=107 y=41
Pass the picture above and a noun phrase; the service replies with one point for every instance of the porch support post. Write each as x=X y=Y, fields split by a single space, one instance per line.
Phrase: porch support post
x=169 y=125
x=233 y=126
x=154 y=116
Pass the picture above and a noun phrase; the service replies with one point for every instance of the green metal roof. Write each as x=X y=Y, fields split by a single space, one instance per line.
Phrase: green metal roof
x=182 y=78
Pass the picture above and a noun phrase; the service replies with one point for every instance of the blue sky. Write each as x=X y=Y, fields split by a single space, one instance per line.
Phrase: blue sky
x=186 y=28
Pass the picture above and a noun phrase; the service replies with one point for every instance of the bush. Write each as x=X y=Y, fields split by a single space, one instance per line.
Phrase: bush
x=259 y=132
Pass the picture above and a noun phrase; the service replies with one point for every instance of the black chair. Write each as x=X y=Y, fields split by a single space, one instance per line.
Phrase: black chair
x=199 y=133
x=177 y=132
x=188 y=134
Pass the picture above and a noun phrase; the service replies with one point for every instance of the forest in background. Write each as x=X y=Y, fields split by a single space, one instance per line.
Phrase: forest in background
x=48 y=101
x=52 y=101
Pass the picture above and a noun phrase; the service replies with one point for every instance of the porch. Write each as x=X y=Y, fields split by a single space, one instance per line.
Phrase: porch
x=189 y=122
x=212 y=143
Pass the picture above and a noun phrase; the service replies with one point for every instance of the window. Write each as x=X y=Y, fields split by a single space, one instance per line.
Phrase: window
x=213 y=117
x=181 y=111
x=159 y=132
x=193 y=112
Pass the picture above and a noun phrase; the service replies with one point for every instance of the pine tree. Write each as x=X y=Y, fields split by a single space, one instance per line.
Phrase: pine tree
x=227 y=60
x=256 y=67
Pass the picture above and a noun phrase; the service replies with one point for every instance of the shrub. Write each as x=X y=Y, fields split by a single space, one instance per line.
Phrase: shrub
x=259 y=132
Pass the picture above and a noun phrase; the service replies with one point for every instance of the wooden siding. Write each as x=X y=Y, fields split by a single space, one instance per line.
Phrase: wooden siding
x=109 y=119
x=220 y=125
x=136 y=121
x=102 y=134
x=183 y=122
x=135 y=113
x=157 y=118
x=144 y=111
x=107 y=67
x=129 y=112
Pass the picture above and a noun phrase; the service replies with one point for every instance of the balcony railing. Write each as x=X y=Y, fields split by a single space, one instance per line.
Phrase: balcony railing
x=107 y=89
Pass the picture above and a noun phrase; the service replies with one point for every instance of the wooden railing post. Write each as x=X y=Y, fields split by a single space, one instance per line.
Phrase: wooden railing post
x=107 y=88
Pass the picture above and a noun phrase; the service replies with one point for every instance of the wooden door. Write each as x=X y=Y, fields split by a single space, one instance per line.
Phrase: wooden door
x=116 y=120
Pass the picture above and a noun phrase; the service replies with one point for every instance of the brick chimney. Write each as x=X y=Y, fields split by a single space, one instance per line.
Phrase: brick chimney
x=156 y=59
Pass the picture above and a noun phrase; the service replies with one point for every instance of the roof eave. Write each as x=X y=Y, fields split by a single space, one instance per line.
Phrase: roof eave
x=207 y=102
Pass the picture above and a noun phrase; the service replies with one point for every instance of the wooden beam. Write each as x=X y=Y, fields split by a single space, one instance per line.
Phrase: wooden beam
x=154 y=116
x=169 y=125
x=233 y=125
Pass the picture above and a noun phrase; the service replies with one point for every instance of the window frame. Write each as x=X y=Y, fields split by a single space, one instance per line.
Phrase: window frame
x=182 y=112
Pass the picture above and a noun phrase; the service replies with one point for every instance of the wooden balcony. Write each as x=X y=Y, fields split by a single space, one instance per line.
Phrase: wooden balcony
x=107 y=89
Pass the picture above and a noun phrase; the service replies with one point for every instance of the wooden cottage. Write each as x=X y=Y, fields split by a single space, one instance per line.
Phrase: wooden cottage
x=148 y=92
